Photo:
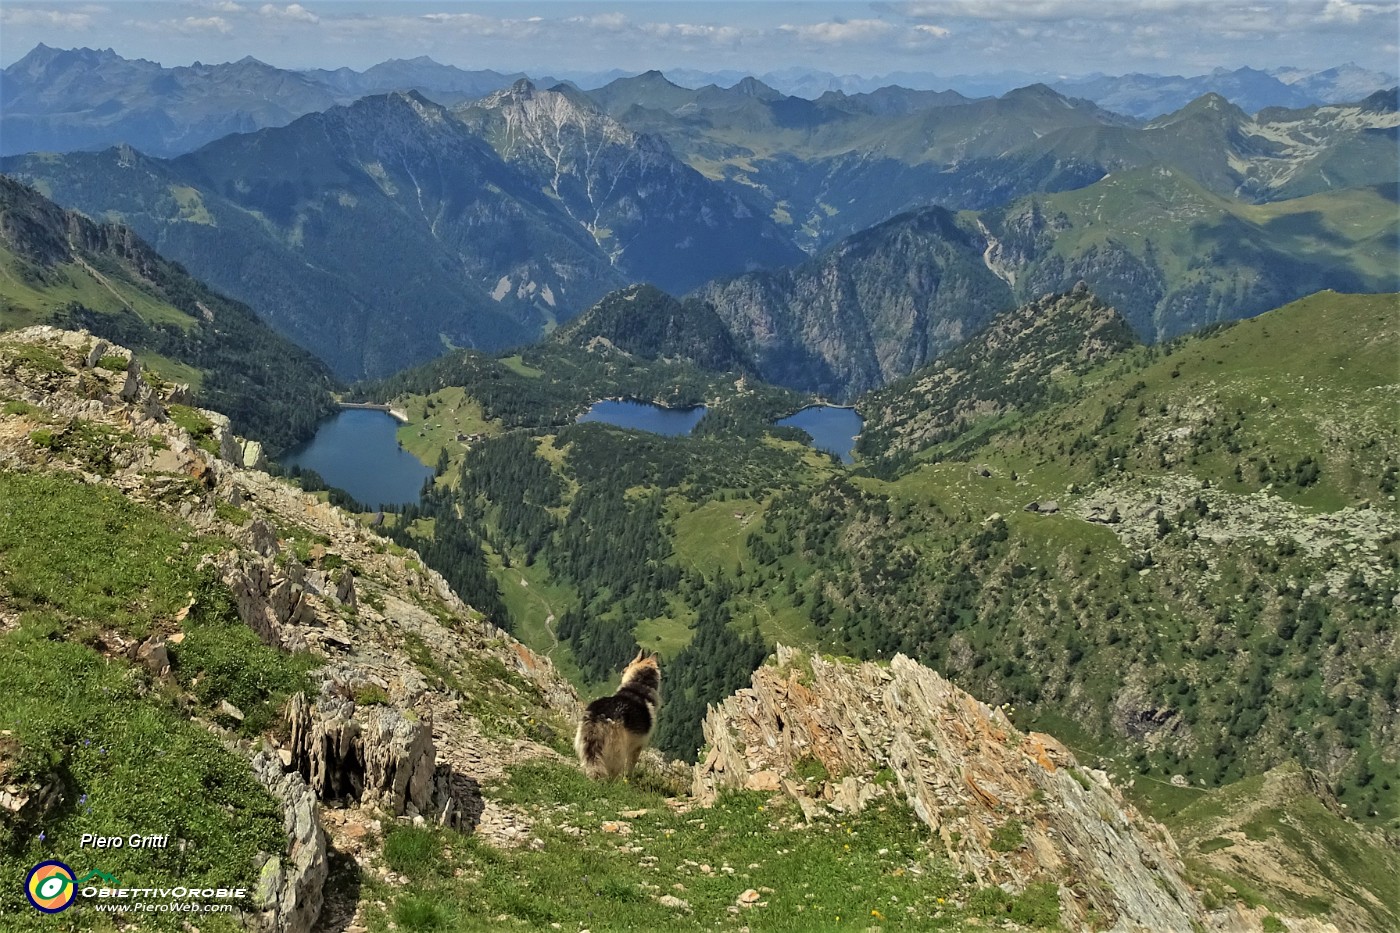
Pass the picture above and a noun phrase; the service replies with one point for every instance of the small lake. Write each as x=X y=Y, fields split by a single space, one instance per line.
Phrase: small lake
x=833 y=429
x=645 y=416
x=358 y=451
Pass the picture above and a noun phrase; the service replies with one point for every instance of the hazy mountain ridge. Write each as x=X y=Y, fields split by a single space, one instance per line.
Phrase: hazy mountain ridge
x=63 y=100
x=831 y=167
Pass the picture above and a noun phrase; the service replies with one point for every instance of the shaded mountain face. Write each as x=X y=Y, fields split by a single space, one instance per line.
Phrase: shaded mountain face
x=874 y=307
x=64 y=100
x=1168 y=254
x=376 y=235
x=59 y=267
x=657 y=219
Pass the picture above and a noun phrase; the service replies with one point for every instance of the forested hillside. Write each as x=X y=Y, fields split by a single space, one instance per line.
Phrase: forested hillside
x=1155 y=550
x=59 y=267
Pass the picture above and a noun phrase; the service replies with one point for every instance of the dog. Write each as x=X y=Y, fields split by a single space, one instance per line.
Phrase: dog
x=615 y=729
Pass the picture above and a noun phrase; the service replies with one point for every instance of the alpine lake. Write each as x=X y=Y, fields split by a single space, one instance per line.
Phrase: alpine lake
x=357 y=450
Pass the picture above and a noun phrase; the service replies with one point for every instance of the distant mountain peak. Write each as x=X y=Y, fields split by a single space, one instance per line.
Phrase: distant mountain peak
x=752 y=87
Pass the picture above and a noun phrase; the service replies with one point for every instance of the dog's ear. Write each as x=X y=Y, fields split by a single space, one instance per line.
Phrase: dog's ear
x=641 y=656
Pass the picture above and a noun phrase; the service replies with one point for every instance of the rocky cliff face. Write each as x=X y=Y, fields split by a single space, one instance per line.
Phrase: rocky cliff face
x=875 y=307
x=1009 y=807
x=658 y=219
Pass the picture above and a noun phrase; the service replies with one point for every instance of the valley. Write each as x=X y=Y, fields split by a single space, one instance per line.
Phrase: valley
x=1003 y=471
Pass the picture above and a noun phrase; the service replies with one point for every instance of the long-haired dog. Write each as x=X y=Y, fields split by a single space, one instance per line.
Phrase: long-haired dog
x=615 y=729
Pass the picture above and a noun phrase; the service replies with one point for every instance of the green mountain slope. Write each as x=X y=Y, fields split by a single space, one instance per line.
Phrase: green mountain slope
x=1181 y=557
x=233 y=675
x=1173 y=257
x=828 y=169
x=1165 y=252
x=58 y=267
x=646 y=321
x=1011 y=367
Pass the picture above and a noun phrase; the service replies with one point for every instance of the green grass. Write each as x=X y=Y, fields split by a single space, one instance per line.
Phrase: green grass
x=872 y=872
x=1278 y=811
x=130 y=762
x=710 y=537
x=531 y=597
x=82 y=564
x=436 y=420
x=91 y=554
x=200 y=428
x=666 y=635
x=25 y=299
x=518 y=365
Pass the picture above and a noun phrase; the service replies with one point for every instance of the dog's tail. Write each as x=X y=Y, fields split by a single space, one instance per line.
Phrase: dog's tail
x=593 y=742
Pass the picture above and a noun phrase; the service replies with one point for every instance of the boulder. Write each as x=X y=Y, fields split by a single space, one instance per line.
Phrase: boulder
x=964 y=770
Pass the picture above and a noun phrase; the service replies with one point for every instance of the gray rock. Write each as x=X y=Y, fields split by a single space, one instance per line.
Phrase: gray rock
x=154 y=655
x=964 y=770
x=376 y=756
x=345 y=588
x=95 y=355
x=289 y=892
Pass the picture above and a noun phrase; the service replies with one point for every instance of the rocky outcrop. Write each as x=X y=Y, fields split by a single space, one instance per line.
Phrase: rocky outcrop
x=1010 y=808
x=271 y=598
x=28 y=800
x=289 y=897
x=411 y=673
x=376 y=755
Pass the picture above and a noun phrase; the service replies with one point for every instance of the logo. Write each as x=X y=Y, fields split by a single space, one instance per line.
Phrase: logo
x=100 y=876
x=50 y=887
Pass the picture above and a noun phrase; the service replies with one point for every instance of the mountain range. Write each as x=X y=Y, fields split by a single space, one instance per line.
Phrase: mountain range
x=67 y=99
x=382 y=232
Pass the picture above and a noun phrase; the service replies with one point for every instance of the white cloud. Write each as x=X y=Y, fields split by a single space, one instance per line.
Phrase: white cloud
x=841 y=31
x=196 y=24
x=294 y=12
x=27 y=16
x=1347 y=12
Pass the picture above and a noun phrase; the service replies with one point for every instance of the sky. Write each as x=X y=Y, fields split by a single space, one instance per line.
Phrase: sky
x=1053 y=37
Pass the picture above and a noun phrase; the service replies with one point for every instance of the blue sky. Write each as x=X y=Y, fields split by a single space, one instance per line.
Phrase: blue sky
x=940 y=36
